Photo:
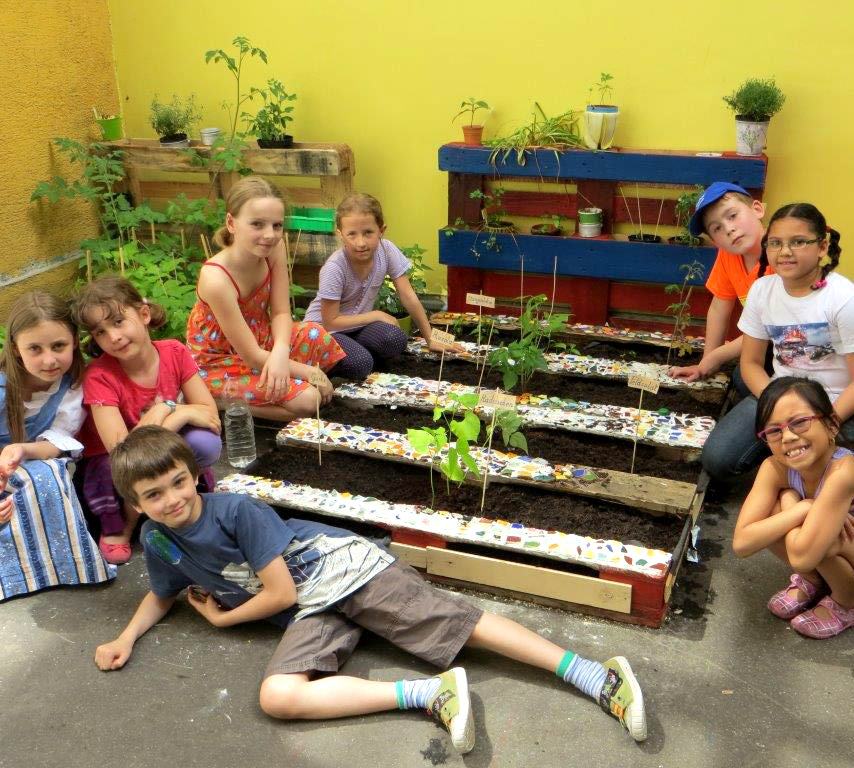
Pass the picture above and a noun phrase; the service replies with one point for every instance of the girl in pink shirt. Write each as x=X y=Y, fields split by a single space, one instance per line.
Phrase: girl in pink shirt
x=135 y=381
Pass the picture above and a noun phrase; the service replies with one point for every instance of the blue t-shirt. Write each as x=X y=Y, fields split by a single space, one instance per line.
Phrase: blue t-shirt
x=236 y=536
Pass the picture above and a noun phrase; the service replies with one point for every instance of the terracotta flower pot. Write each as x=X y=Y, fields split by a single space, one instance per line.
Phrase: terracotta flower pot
x=473 y=135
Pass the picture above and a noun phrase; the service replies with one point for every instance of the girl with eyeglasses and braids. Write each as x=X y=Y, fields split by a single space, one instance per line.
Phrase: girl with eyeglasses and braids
x=800 y=507
x=805 y=310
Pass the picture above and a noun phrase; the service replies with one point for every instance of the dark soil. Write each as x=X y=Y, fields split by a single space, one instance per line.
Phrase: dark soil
x=571 y=387
x=403 y=483
x=556 y=446
x=639 y=353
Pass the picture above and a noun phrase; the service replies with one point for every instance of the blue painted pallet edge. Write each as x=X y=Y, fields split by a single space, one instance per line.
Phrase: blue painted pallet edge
x=576 y=256
x=626 y=165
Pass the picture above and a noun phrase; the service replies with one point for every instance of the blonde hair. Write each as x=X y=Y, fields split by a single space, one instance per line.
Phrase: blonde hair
x=112 y=293
x=359 y=202
x=27 y=312
x=145 y=454
x=243 y=191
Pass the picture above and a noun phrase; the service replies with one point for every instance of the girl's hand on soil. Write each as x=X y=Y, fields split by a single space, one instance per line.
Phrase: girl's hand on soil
x=207 y=607
x=156 y=414
x=384 y=317
x=113 y=655
x=6 y=508
x=690 y=373
x=275 y=375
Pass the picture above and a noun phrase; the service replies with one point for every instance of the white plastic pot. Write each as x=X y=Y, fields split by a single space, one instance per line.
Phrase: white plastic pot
x=590 y=222
x=600 y=124
x=750 y=136
x=210 y=135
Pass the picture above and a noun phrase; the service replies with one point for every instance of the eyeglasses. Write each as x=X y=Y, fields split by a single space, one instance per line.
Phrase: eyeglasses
x=798 y=425
x=774 y=244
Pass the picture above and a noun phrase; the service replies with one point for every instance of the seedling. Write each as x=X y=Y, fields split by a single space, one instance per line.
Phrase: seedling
x=235 y=67
x=603 y=88
x=470 y=106
x=679 y=309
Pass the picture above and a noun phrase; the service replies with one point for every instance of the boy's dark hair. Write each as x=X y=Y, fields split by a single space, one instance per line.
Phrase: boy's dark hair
x=809 y=390
x=809 y=213
x=147 y=453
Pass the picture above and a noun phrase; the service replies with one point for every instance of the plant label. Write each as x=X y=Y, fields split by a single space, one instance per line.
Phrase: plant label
x=440 y=337
x=492 y=398
x=316 y=377
x=480 y=300
x=646 y=383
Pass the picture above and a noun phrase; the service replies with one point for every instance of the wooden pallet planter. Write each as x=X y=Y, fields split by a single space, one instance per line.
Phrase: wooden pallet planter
x=655 y=495
x=332 y=165
x=606 y=578
x=585 y=268
x=683 y=433
x=712 y=389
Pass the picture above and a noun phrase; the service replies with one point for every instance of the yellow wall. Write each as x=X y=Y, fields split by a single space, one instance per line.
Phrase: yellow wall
x=386 y=76
x=58 y=64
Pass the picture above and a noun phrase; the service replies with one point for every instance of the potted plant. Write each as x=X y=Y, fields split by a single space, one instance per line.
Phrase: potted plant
x=270 y=123
x=172 y=121
x=388 y=299
x=600 y=120
x=685 y=205
x=110 y=125
x=755 y=102
x=550 y=226
x=492 y=212
x=472 y=134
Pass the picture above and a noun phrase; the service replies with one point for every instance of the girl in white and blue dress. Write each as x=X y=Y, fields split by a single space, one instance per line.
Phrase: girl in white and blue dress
x=44 y=541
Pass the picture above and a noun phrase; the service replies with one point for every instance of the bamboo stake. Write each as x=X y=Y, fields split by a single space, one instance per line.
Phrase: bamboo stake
x=640 y=218
x=554 y=287
x=133 y=234
x=88 y=266
x=121 y=259
x=637 y=429
x=488 y=453
x=153 y=236
x=628 y=210
x=485 y=354
x=521 y=293
x=439 y=382
x=319 y=451
x=660 y=207
x=183 y=240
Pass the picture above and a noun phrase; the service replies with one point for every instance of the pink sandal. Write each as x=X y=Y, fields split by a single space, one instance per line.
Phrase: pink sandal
x=117 y=554
x=811 y=625
x=784 y=606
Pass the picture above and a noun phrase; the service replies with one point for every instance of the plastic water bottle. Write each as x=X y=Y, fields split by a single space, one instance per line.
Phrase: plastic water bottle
x=239 y=429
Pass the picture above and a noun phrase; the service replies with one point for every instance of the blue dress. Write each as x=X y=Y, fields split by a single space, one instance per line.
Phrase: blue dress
x=46 y=543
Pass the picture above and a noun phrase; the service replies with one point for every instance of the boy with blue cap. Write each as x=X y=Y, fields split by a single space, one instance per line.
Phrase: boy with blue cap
x=733 y=220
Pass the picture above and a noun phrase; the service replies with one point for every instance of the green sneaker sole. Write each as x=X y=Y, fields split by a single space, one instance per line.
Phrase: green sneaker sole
x=634 y=716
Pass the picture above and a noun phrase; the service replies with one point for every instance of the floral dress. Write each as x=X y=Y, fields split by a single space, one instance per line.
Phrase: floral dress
x=218 y=362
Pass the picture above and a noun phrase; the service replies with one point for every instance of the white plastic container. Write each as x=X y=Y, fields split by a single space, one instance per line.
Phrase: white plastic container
x=210 y=135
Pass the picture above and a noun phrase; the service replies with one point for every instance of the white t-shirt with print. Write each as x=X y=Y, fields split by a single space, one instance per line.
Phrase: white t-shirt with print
x=810 y=333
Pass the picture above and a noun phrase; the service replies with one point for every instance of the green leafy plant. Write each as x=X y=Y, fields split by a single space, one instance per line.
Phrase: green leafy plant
x=603 y=89
x=234 y=64
x=388 y=299
x=680 y=308
x=270 y=122
x=470 y=106
x=492 y=212
x=756 y=99
x=519 y=360
x=174 y=117
x=685 y=205
x=557 y=133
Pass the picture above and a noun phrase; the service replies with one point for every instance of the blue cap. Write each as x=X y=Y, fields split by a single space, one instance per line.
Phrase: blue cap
x=711 y=194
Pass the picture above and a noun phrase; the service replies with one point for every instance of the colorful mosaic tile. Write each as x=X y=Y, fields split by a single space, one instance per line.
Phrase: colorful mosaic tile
x=453 y=527
x=653 y=427
x=582 y=365
x=508 y=322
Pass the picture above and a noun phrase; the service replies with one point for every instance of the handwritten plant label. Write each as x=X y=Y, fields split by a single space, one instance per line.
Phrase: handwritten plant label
x=440 y=337
x=480 y=300
x=646 y=383
x=492 y=398
x=316 y=377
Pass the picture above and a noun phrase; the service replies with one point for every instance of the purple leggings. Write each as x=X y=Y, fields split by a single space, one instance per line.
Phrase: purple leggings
x=100 y=494
x=364 y=345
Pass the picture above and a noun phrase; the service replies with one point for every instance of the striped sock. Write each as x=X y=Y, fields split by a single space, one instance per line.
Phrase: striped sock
x=414 y=694
x=587 y=676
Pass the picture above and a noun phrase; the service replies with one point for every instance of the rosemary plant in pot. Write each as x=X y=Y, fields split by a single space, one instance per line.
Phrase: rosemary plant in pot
x=173 y=120
x=754 y=102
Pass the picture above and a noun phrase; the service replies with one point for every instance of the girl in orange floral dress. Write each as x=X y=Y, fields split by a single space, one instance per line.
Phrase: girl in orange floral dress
x=240 y=330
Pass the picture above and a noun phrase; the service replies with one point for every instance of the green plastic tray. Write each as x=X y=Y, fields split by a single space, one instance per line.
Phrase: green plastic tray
x=311 y=219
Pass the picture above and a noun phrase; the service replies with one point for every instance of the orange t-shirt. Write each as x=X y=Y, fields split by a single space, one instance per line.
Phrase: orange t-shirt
x=729 y=279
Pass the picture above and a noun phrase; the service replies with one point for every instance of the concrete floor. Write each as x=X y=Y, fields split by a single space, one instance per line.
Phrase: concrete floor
x=726 y=684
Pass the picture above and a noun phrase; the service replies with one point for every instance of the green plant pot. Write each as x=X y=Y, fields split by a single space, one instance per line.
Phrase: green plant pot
x=311 y=219
x=405 y=324
x=111 y=128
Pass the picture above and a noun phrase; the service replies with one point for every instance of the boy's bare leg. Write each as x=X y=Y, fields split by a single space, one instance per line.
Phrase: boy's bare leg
x=295 y=696
x=510 y=639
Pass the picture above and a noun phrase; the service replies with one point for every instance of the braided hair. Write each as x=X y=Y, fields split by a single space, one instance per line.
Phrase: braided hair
x=809 y=213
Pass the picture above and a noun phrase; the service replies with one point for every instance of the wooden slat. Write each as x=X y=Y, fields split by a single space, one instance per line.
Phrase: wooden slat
x=519 y=203
x=652 y=298
x=530 y=579
x=461 y=205
x=314 y=247
x=650 y=494
x=414 y=556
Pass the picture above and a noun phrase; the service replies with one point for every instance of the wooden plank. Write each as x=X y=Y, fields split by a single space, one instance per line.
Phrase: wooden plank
x=462 y=280
x=414 y=556
x=314 y=247
x=333 y=189
x=530 y=579
x=576 y=256
x=614 y=165
x=651 y=298
x=521 y=203
x=599 y=194
x=169 y=190
x=651 y=494
x=460 y=202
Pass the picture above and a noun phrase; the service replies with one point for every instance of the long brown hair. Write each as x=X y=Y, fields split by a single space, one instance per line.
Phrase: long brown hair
x=112 y=293
x=27 y=312
x=241 y=193
x=359 y=202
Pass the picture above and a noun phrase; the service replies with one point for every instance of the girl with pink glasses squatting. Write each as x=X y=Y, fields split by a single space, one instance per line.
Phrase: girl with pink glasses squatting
x=799 y=507
x=240 y=331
